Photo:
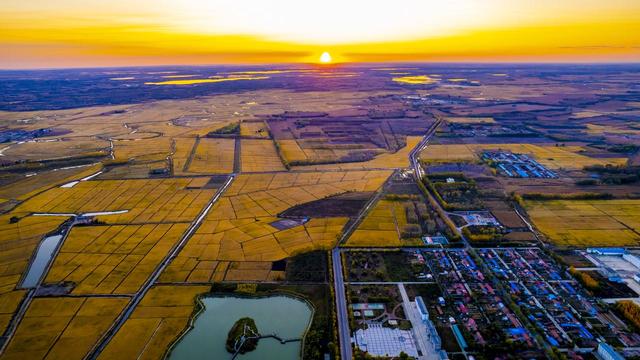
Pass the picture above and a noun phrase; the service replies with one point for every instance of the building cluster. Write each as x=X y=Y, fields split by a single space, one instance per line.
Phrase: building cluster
x=517 y=165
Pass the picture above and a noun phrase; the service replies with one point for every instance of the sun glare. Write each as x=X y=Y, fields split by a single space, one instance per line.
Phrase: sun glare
x=325 y=58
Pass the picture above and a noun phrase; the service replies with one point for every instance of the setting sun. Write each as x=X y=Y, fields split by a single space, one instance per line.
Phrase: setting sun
x=325 y=58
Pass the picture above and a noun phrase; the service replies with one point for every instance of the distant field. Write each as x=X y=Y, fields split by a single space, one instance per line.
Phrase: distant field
x=159 y=319
x=470 y=120
x=154 y=149
x=42 y=150
x=63 y=328
x=28 y=186
x=397 y=160
x=588 y=222
x=554 y=157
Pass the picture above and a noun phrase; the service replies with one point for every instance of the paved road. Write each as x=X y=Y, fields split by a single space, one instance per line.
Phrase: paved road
x=341 y=305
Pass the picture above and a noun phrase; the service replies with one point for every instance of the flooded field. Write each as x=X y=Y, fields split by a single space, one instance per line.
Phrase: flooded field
x=283 y=316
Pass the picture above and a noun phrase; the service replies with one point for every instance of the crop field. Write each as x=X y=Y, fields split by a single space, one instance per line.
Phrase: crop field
x=313 y=151
x=260 y=156
x=382 y=226
x=42 y=150
x=254 y=129
x=254 y=240
x=62 y=328
x=157 y=322
x=27 y=186
x=18 y=241
x=213 y=156
x=238 y=228
x=252 y=271
x=115 y=259
x=182 y=152
x=396 y=160
x=147 y=200
x=253 y=195
x=554 y=157
x=588 y=222
x=154 y=149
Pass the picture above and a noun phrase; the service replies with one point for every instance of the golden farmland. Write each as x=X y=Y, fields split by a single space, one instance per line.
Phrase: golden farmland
x=159 y=319
x=114 y=259
x=17 y=242
x=382 y=226
x=147 y=200
x=213 y=156
x=397 y=160
x=238 y=227
x=259 y=156
x=62 y=328
x=587 y=222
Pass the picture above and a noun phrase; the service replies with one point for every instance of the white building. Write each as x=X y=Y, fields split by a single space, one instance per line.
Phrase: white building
x=422 y=309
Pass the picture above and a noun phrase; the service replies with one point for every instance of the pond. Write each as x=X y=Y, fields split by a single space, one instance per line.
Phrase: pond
x=284 y=316
x=40 y=262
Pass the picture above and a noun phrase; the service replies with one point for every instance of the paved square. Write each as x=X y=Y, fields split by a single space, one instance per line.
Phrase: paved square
x=382 y=341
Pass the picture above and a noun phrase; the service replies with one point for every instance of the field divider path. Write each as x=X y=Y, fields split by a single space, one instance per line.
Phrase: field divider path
x=122 y=318
x=194 y=148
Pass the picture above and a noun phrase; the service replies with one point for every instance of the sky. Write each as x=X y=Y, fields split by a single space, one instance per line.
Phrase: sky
x=87 y=33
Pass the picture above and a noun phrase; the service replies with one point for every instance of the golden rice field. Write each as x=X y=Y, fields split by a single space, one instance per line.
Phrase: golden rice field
x=42 y=150
x=143 y=150
x=115 y=259
x=62 y=327
x=9 y=302
x=238 y=227
x=182 y=151
x=213 y=156
x=587 y=222
x=254 y=129
x=553 y=157
x=252 y=271
x=397 y=160
x=255 y=195
x=157 y=322
x=147 y=200
x=382 y=226
x=28 y=186
x=254 y=240
x=312 y=150
x=259 y=156
x=18 y=241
